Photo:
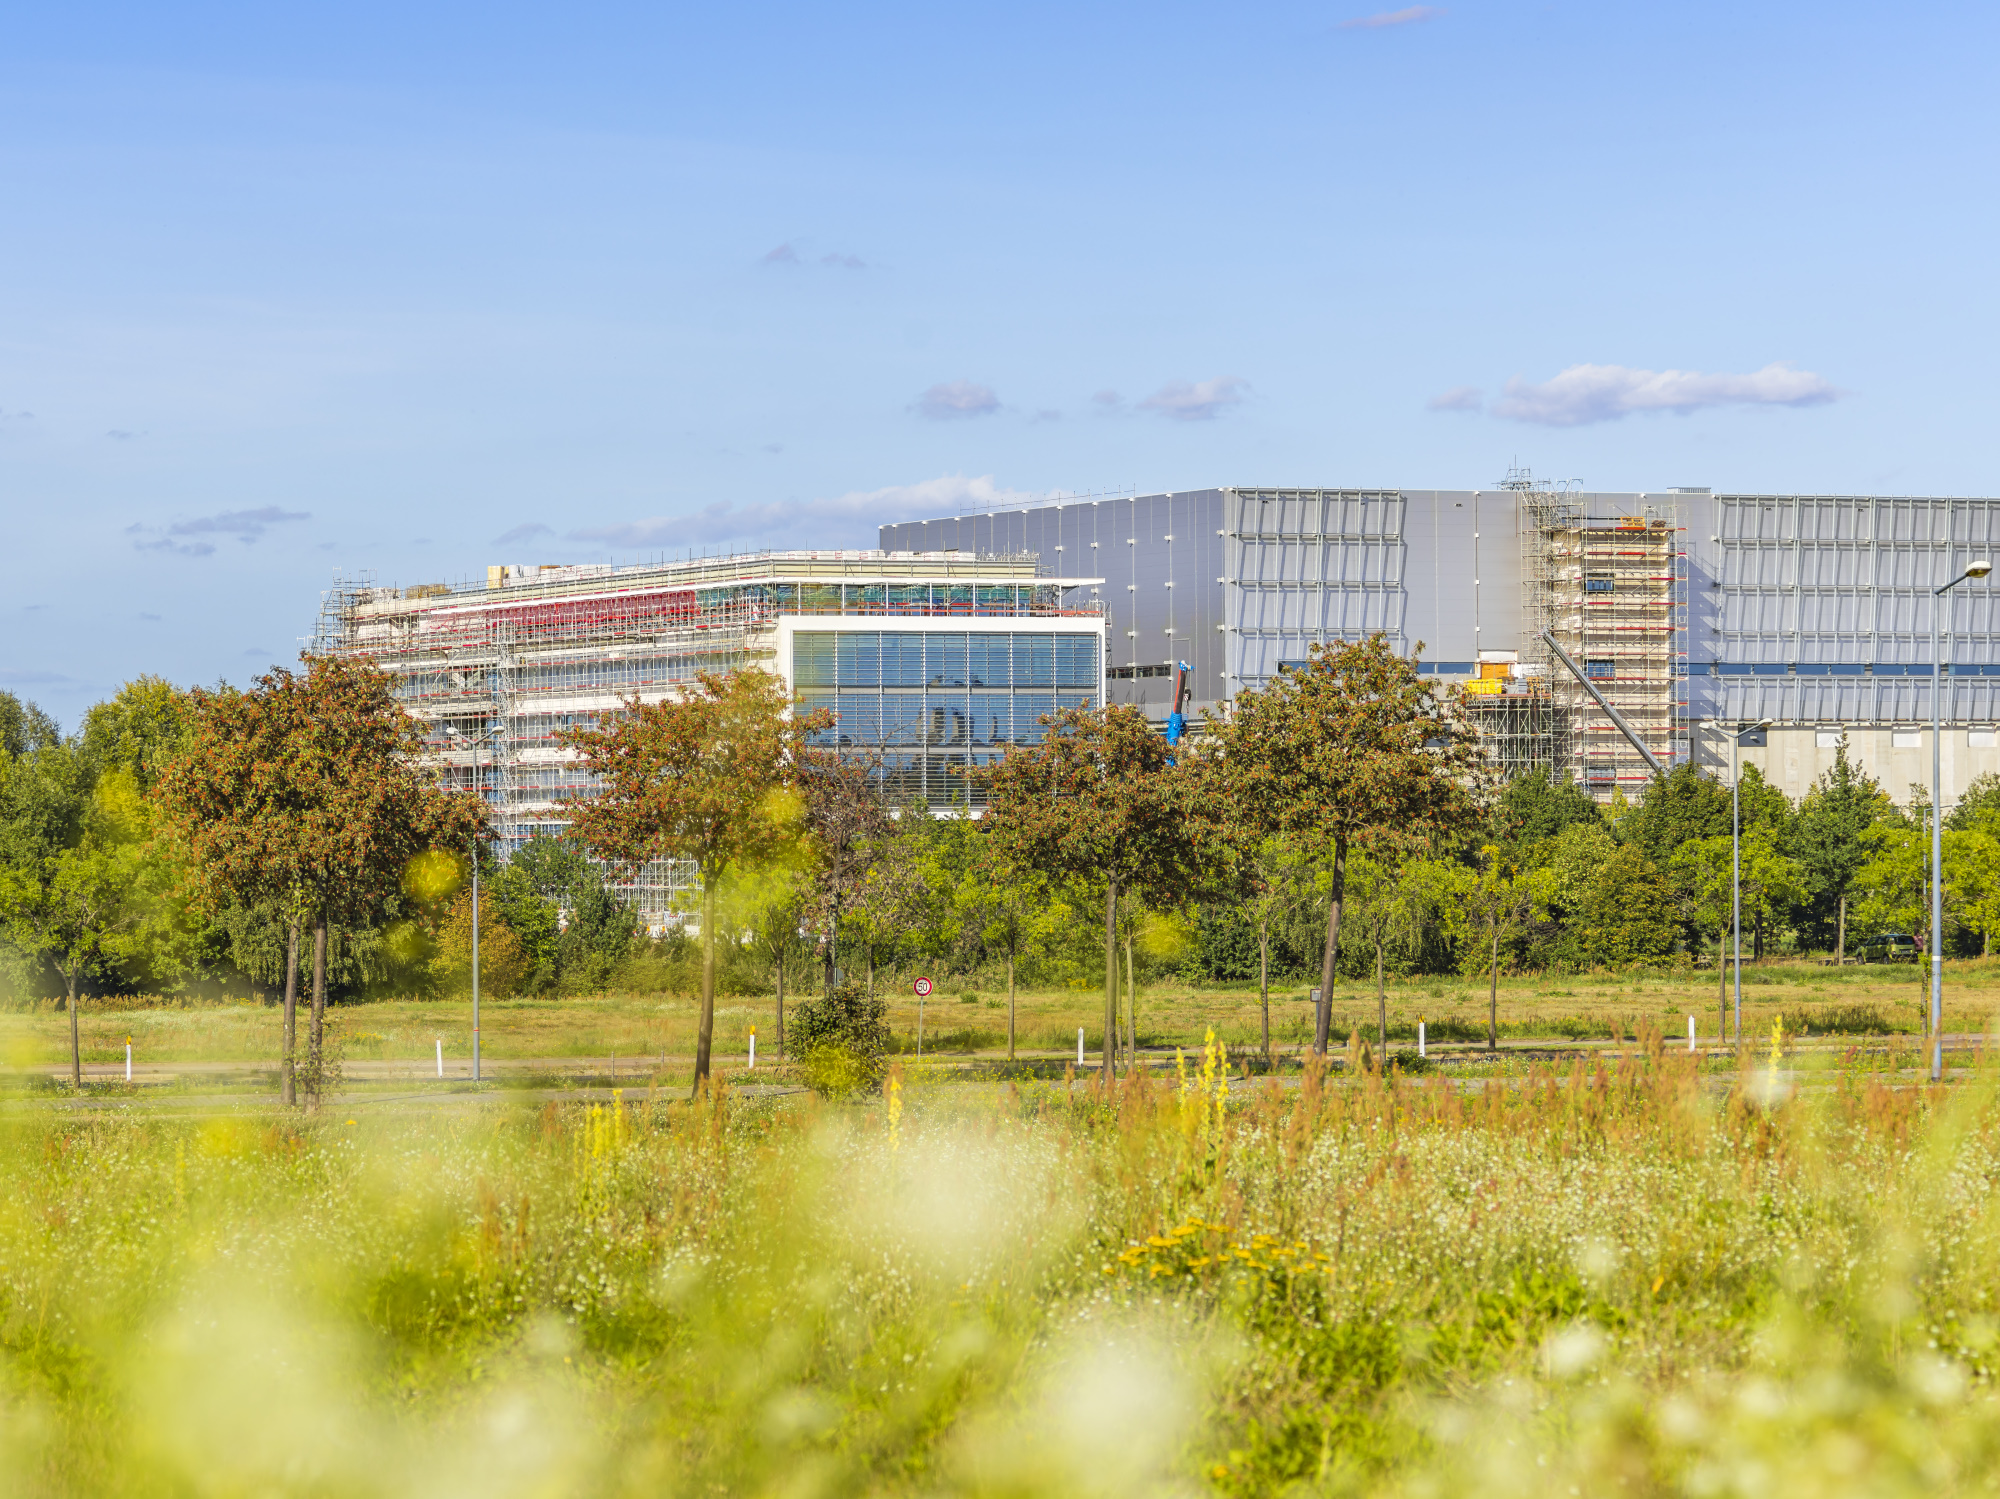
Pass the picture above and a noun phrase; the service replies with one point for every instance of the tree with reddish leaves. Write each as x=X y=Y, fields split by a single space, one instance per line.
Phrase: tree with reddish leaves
x=1099 y=800
x=709 y=776
x=306 y=791
x=1355 y=748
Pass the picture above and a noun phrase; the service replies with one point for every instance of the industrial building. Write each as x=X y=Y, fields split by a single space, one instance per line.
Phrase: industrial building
x=932 y=662
x=1683 y=609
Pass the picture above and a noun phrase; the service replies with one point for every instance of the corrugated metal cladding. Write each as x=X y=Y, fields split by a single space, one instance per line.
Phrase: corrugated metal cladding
x=1802 y=608
x=1817 y=608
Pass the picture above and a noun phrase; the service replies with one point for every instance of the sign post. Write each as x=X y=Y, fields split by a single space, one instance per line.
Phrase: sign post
x=923 y=987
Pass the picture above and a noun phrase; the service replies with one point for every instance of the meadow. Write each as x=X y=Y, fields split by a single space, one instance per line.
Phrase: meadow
x=1600 y=1277
x=968 y=1018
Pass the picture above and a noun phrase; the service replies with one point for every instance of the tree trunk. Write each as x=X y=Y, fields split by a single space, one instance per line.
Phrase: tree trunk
x=1010 y=1001
x=871 y=970
x=1323 y=1014
x=1381 y=1003
x=1840 y=936
x=832 y=946
x=1110 y=978
x=288 y=1071
x=1131 y=1005
x=1493 y=997
x=1264 y=976
x=781 y=1007
x=1757 y=939
x=314 y=1058
x=75 y=1050
x=706 y=1034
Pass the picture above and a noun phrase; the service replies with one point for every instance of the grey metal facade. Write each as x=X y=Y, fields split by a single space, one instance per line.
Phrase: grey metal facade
x=1811 y=610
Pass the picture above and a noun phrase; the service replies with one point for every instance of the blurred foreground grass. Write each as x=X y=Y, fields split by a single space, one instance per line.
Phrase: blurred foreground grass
x=966 y=1017
x=1595 y=1282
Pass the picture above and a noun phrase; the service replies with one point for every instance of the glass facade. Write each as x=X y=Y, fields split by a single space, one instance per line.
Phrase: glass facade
x=934 y=702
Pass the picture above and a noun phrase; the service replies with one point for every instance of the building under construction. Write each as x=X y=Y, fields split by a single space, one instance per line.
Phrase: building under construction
x=1597 y=634
x=931 y=662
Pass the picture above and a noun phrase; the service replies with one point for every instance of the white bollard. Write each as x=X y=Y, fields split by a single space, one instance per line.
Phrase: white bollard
x=1421 y=1053
x=1690 y=1033
x=1079 y=1046
x=440 y=1056
x=128 y=1059
x=753 y=1046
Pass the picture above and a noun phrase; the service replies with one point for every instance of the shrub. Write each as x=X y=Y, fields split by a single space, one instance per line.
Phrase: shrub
x=839 y=1039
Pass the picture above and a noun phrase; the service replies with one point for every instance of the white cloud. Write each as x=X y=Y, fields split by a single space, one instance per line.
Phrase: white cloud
x=1458 y=398
x=783 y=255
x=245 y=525
x=526 y=531
x=1586 y=393
x=1406 y=17
x=847 y=520
x=1200 y=402
x=956 y=399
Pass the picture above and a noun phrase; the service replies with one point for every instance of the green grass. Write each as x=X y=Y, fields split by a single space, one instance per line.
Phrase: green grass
x=1609 y=1277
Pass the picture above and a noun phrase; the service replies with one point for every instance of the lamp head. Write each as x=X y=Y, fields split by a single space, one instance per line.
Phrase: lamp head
x=1978 y=569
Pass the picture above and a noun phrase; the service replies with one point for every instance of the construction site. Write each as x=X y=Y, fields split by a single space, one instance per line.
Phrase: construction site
x=1596 y=689
x=929 y=661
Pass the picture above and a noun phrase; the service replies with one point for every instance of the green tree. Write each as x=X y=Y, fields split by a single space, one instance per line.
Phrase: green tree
x=1675 y=808
x=67 y=866
x=708 y=776
x=1385 y=902
x=1098 y=800
x=1536 y=806
x=1497 y=902
x=1627 y=915
x=1357 y=748
x=24 y=728
x=1826 y=840
x=305 y=792
x=1980 y=805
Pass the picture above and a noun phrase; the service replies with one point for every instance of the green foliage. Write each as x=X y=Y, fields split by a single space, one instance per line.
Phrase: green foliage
x=1676 y=808
x=1626 y=916
x=25 y=728
x=840 y=1039
x=1535 y=806
x=1828 y=842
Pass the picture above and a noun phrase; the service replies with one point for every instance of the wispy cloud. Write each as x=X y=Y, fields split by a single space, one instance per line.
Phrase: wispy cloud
x=1458 y=398
x=1201 y=401
x=956 y=400
x=842 y=520
x=35 y=678
x=119 y=434
x=245 y=525
x=1409 y=16
x=1586 y=393
x=526 y=531
x=793 y=253
x=1107 y=400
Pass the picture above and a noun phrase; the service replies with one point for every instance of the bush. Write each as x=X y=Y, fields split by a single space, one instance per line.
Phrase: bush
x=839 y=1039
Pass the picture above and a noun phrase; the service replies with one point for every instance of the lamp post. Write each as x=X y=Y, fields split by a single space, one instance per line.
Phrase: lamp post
x=472 y=745
x=1736 y=736
x=1977 y=569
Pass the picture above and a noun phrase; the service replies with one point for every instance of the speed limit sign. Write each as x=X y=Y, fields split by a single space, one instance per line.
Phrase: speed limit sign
x=922 y=986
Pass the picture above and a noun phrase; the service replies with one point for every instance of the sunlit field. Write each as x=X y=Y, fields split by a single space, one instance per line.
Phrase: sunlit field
x=968 y=1018
x=1604 y=1277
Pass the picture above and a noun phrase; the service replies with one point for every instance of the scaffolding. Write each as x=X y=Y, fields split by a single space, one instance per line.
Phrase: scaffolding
x=1617 y=601
x=496 y=672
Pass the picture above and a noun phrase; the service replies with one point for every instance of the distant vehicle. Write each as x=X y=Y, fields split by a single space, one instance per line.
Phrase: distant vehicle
x=1889 y=947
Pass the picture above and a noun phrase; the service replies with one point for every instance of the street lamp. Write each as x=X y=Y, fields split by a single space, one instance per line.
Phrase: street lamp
x=1736 y=737
x=472 y=744
x=1977 y=569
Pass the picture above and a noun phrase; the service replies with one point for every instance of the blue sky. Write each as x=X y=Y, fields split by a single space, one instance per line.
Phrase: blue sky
x=286 y=290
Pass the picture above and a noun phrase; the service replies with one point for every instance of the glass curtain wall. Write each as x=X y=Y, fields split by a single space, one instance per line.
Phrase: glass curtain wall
x=934 y=702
